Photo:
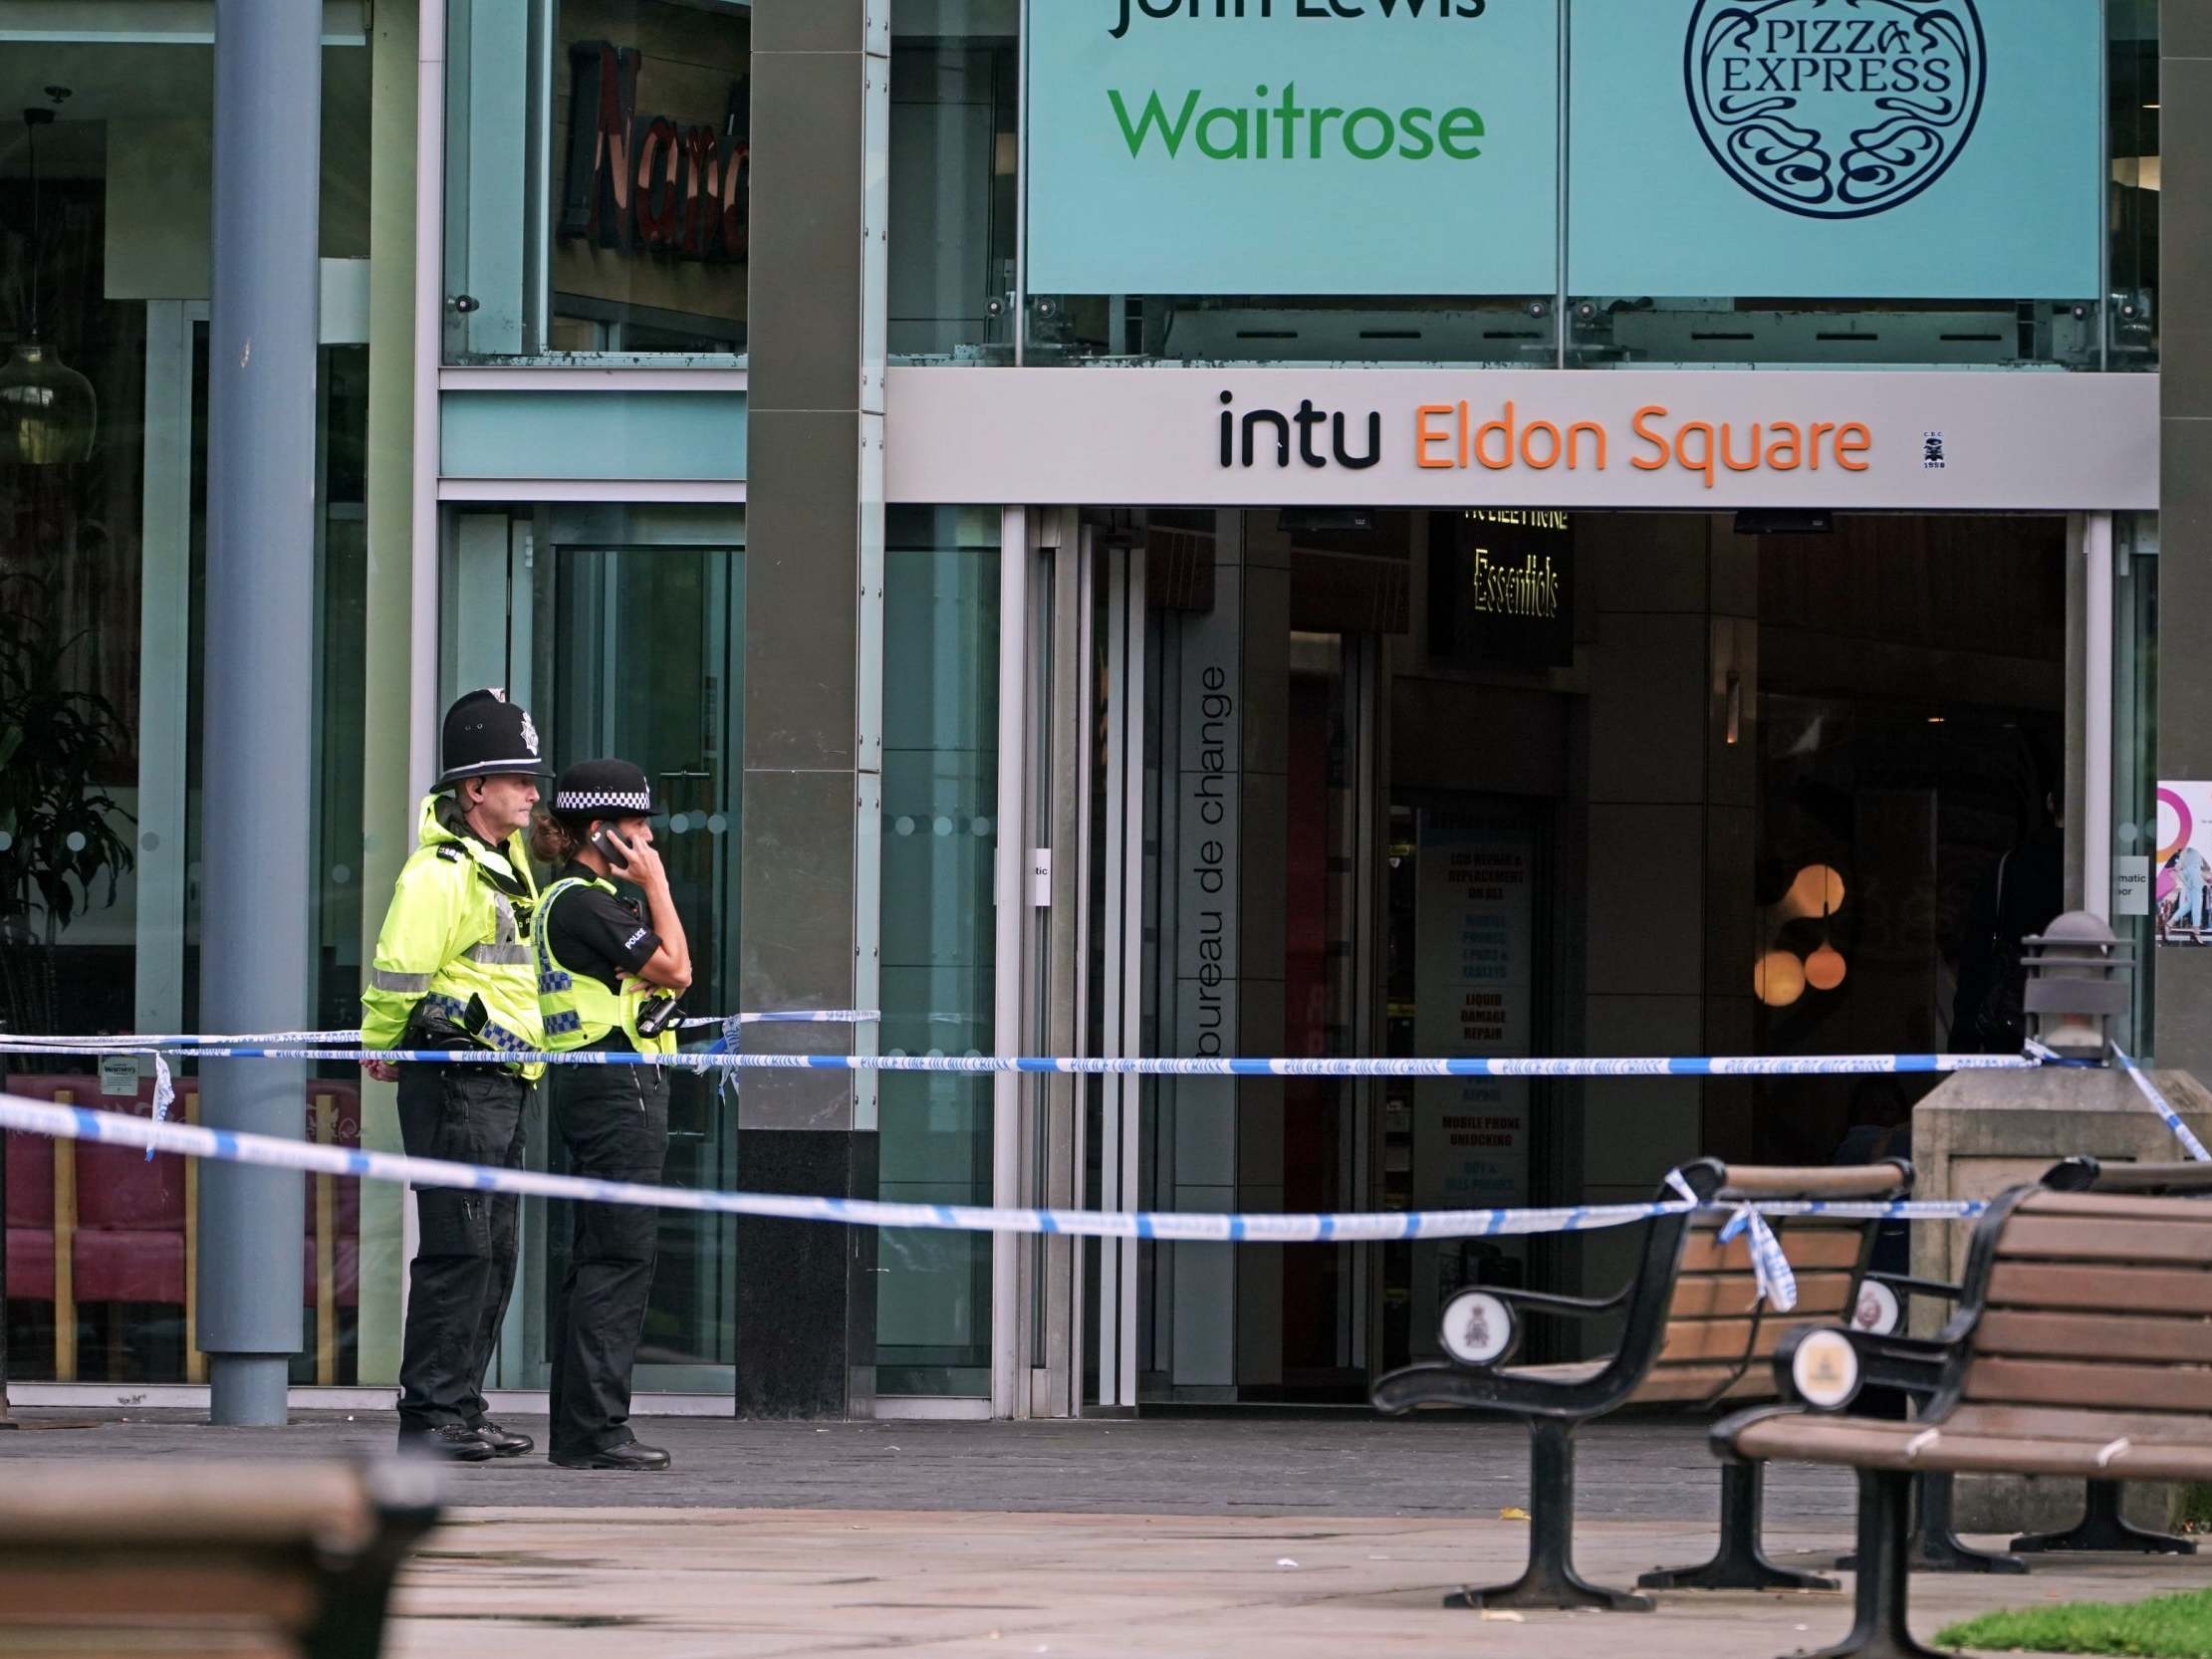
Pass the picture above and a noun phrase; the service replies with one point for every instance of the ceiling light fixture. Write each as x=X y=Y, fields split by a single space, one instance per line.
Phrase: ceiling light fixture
x=47 y=413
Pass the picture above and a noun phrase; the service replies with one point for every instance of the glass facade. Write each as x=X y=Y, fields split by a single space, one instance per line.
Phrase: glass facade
x=1700 y=783
x=597 y=164
x=954 y=196
x=940 y=837
x=104 y=266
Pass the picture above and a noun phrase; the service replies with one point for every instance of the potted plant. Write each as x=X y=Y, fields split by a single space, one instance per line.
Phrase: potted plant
x=60 y=850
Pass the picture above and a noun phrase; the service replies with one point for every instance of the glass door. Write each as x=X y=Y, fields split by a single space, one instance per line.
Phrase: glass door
x=622 y=629
x=641 y=660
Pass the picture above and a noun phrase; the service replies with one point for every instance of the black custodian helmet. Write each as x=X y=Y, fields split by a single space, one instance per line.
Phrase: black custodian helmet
x=486 y=736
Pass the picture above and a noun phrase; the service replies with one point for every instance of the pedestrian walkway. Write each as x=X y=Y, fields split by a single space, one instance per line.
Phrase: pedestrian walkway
x=1356 y=1464
x=1176 y=1539
x=749 y=1585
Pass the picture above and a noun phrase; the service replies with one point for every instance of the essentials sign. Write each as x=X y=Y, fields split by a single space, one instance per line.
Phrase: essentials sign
x=1293 y=146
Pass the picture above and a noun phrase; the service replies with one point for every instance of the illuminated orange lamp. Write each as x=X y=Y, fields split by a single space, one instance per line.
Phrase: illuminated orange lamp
x=1779 y=980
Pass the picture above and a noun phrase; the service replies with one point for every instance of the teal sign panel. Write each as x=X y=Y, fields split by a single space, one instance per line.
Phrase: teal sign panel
x=1292 y=147
x=1836 y=149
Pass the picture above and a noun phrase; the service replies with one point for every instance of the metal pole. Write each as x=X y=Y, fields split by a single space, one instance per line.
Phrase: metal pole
x=1011 y=878
x=256 y=963
x=2096 y=792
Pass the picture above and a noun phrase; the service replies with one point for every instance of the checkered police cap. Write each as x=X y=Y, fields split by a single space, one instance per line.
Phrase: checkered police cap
x=603 y=789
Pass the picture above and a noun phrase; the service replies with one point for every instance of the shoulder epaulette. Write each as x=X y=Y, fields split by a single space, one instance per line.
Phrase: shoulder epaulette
x=451 y=854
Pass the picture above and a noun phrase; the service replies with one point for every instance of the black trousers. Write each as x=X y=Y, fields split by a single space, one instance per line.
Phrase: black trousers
x=615 y=1120
x=464 y=1265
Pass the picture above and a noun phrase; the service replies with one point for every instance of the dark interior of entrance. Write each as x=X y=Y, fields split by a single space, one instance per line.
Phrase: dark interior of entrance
x=1542 y=783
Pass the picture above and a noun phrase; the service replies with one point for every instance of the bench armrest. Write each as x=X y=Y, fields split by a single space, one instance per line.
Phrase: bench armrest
x=1914 y=1366
x=1502 y=1392
x=1906 y=1283
x=1566 y=1307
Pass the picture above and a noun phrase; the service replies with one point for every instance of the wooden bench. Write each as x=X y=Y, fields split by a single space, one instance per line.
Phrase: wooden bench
x=1937 y=1546
x=2082 y=1349
x=1694 y=1334
x=206 y=1560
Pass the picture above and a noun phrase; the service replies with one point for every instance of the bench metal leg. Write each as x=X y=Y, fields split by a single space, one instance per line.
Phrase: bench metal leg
x=1741 y=1565
x=1937 y=1546
x=356 y=1595
x=1878 y=1628
x=2102 y=1527
x=1551 y=1580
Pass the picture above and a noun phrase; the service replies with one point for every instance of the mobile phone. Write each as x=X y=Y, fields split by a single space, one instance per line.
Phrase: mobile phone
x=611 y=848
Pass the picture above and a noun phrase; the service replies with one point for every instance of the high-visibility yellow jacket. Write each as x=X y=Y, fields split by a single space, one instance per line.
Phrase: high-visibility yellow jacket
x=458 y=927
x=580 y=1011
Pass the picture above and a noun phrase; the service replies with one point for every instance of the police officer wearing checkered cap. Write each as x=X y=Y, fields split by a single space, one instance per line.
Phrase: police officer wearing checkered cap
x=608 y=979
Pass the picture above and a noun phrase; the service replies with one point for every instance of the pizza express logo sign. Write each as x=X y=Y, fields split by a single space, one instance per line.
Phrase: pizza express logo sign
x=1835 y=108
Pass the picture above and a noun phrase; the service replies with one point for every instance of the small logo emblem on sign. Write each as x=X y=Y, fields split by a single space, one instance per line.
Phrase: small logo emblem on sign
x=1932 y=452
x=1477 y=1327
x=1835 y=108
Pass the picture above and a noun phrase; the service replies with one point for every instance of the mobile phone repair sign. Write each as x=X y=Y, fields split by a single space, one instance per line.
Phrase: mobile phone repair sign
x=1292 y=147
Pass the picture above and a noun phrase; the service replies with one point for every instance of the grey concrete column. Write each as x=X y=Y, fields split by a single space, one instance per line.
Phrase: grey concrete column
x=256 y=965
x=2184 y=1038
x=812 y=763
x=1671 y=826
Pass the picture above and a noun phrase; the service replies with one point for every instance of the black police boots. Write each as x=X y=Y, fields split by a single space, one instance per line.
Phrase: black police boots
x=504 y=1444
x=454 y=1442
x=630 y=1455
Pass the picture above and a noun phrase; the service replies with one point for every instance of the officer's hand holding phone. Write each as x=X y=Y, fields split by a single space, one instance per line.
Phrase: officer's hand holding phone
x=636 y=862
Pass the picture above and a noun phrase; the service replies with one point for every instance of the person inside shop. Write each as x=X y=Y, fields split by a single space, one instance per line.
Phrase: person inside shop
x=2016 y=901
x=609 y=978
x=453 y=970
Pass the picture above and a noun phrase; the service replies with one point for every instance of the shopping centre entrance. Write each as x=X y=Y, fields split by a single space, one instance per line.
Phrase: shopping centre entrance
x=1500 y=783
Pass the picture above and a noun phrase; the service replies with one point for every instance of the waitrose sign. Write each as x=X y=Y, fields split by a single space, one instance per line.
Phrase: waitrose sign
x=1292 y=147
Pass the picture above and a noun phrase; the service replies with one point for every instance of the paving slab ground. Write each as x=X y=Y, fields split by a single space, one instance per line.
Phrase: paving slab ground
x=747 y=1584
x=1281 y=1539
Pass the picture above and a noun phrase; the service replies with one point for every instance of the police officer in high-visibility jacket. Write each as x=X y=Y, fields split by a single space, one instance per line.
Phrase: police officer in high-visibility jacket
x=453 y=970
x=608 y=978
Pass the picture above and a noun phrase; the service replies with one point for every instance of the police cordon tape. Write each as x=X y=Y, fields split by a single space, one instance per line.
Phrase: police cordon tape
x=2164 y=1109
x=141 y=1043
x=197 y=1141
x=156 y=1047
x=1704 y=1066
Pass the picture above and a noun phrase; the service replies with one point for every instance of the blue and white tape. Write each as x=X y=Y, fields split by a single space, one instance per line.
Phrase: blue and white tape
x=1709 y=1065
x=197 y=1141
x=730 y=1024
x=1777 y=1285
x=2150 y=1092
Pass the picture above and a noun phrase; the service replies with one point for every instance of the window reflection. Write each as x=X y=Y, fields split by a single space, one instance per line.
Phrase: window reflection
x=597 y=177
